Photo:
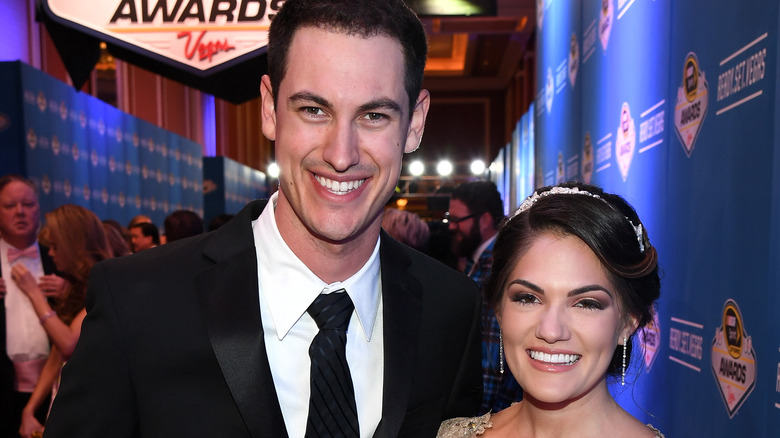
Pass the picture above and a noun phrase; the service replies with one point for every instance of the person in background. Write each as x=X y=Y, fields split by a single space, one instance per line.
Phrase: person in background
x=76 y=240
x=219 y=334
x=476 y=209
x=181 y=224
x=139 y=219
x=574 y=277
x=25 y=345
x=143 y=236
x=118 y=238
x=406 y=227
x=219 y=220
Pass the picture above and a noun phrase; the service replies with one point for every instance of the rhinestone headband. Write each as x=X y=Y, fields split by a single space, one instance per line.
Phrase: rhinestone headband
x=531 y=200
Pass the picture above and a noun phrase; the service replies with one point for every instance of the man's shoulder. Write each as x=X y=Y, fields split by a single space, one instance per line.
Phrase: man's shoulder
x=433 y=272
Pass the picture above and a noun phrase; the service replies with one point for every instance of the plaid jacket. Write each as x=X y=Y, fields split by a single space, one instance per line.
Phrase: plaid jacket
x=499 y=390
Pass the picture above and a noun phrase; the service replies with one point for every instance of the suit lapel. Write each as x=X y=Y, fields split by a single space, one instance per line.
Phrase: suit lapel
x=402 y=301
x=228 y=293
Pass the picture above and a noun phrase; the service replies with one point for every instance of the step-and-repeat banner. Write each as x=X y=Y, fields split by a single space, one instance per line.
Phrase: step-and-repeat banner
x=672 y=105
x=229 y=185
x=80 y=150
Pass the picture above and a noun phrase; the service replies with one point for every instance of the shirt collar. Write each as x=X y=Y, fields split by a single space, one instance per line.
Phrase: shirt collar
x=289 y=286
x=475 y=257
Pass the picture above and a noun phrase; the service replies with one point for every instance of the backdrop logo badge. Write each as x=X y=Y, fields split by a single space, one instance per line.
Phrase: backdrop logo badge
x=605 y=22
x=587 y=159
x=560 y=170
x=625 y=142
x=574 y=58
x=691 y=106
x=650 y=336
x=733 y=359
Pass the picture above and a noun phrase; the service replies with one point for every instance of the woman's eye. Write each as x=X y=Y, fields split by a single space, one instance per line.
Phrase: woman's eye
x=589 y=304
x=524 y=298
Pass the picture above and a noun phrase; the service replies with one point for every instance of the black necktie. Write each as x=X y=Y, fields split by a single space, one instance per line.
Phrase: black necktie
x=332 y=408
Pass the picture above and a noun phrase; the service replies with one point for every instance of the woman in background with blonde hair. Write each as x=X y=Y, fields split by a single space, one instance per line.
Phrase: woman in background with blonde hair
x=76 y=240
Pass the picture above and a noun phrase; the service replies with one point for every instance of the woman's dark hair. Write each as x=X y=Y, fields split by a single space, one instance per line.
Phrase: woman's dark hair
x=610 y=228
x=364 y=18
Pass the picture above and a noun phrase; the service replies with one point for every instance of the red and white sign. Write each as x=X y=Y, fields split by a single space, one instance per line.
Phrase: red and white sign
x=201 y=34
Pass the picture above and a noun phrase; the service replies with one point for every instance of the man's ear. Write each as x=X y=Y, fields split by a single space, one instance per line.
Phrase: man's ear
x=417 y=125
x=267 y=109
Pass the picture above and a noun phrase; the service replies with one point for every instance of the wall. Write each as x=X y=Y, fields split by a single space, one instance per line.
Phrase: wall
x=673 y=106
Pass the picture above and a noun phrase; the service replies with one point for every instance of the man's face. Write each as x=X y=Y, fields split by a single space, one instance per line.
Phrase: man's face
x=341 y=126
x=139 y=241
x=19 y=212
x=466 y=236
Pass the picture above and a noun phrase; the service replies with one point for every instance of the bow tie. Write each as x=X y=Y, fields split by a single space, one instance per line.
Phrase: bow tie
x=14 y=254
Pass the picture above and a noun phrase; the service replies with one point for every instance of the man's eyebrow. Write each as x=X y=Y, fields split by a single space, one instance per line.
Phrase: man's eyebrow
x=309 y=97
x=380 y=104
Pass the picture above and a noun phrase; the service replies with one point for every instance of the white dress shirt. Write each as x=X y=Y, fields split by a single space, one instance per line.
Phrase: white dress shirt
x=26 y=340
x=287 y=288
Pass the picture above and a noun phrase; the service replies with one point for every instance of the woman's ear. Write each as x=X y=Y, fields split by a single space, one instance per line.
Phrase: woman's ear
x=629 y=328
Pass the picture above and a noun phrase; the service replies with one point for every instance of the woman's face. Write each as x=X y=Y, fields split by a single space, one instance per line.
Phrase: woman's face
x=57 y=256
x=560 y=319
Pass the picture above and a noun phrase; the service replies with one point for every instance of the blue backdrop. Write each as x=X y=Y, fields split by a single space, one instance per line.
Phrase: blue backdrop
x=673 y=107
x=81 y=150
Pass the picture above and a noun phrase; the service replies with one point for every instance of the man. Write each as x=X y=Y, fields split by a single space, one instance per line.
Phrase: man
x=475 y=212
x=210 y=336
x=144 y=235
x=24 y=341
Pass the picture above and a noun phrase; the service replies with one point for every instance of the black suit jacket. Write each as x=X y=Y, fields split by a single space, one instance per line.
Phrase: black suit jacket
x=172 y=344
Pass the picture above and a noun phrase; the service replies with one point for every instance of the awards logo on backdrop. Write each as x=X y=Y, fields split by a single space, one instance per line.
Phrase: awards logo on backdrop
x=625 y=142
x=733 y=359
x=574 y=58
x=691 y=106
x=605 y=22
x=587 y=159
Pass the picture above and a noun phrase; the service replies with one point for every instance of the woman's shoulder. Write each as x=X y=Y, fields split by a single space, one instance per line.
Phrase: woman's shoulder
x=464 y=427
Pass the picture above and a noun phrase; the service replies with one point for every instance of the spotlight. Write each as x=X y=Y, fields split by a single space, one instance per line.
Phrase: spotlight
x=416 y=168
x=273 y=170
x=444 y=168
x=477 y=167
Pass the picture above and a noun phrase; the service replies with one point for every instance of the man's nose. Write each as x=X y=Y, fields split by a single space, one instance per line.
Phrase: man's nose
x=341 y=148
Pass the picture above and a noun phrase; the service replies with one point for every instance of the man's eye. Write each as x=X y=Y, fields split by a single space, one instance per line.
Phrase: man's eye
x=374 y=117
x=313 y=110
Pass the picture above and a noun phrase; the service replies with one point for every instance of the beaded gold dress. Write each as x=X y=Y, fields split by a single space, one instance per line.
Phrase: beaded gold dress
x=471 y=427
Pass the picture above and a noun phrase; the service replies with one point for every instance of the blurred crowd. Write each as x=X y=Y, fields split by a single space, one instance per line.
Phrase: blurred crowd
x=45 y=266
x=44 y=269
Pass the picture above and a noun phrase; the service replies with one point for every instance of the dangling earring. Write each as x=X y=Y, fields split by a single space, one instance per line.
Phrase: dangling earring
x=500 y=352
x=623 y=376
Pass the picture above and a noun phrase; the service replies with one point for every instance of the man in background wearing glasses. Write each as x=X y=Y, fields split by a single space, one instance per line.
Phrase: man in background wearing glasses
x=475 y=212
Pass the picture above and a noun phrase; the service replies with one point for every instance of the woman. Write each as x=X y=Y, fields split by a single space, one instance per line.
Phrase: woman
x=76 y=240
x=574 y=276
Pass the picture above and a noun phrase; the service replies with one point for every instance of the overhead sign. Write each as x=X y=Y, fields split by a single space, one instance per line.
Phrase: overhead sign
x=199 y=35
